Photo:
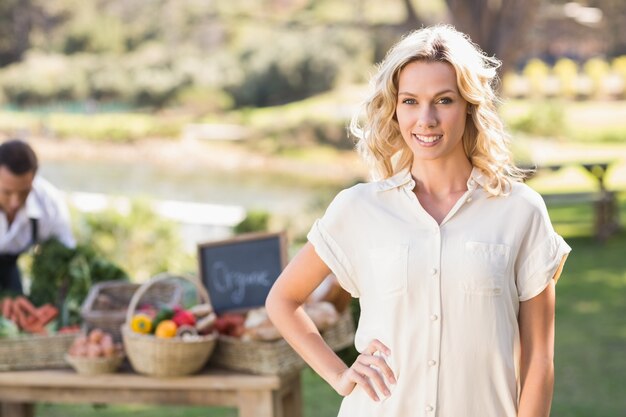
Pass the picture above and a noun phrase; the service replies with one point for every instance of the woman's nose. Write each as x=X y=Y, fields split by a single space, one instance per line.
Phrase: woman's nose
x=427 y=117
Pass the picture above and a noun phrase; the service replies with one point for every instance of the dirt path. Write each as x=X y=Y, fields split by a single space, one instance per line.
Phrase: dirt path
x=194 y=155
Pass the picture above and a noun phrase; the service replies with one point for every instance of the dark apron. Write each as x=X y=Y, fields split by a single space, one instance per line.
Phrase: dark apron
x=10 y=277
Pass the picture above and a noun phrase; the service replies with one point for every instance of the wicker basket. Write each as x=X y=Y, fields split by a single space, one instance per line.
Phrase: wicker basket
x=95 y=366
x=34 y=352
x=107 y=302
x=165 y=357
x=276 y=357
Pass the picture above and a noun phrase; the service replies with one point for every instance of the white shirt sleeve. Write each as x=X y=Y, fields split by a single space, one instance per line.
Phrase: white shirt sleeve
x=54 y=220
x=540 y=254
x=325 y=236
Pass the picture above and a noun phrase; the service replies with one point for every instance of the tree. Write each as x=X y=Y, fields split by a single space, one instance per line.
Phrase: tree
x=499 y=27
x=15 y=25
x=19 y=20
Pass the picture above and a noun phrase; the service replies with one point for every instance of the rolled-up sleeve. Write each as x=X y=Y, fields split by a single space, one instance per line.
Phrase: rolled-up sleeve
x=328 y=236
x=540 y=255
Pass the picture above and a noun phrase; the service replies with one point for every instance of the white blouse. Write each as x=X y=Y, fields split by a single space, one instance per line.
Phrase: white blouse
x=444 y=298
x=44 y=203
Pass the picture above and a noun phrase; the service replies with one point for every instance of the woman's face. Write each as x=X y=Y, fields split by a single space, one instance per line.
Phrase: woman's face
x=431 y=112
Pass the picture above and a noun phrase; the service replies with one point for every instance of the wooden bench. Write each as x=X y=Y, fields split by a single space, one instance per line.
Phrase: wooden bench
x=605 y=205
x=252 y=395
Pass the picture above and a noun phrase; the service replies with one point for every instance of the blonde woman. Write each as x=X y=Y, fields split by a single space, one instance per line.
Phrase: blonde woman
x=453 y=259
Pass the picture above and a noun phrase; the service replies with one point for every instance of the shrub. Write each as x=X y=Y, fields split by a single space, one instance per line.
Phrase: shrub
x=111 y=82
x=286 y=68
x=566 y=71
x=544 y=119
x=157 y=86
x=108 y=37
x=140 y=241
x=597 y=70
x=255 y=221
x=41 y=78
x=619 y=66
x=536 y=71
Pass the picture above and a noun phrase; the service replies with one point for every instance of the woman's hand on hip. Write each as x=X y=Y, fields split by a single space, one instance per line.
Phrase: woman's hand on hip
x=369 y=370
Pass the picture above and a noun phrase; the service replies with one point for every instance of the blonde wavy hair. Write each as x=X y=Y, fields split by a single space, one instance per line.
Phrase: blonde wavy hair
x=485 y=141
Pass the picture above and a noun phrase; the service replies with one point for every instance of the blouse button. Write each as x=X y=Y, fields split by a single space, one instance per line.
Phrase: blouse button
x=433 y=271
x=434 y=317
x=432 y=363
x=429 y=408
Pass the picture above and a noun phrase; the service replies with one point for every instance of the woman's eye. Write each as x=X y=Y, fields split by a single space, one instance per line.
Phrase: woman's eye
x=445 y=100
x=409 y=101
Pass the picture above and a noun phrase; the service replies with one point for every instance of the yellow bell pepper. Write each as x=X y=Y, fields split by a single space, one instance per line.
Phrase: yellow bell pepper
x=141 y=323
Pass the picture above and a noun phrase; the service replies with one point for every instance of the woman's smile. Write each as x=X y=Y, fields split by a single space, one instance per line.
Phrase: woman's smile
x=427 y=140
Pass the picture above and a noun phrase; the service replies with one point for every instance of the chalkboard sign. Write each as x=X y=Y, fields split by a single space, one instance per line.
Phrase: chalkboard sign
x=238 y=273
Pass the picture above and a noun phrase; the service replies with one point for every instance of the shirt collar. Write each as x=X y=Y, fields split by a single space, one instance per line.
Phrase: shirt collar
x=33 y=207
x=477 y=177
x=401 y=178
x=404 y=178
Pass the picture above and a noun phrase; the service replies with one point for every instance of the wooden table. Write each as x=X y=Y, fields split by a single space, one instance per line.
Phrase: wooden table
x=606 y=210
x=252 y=395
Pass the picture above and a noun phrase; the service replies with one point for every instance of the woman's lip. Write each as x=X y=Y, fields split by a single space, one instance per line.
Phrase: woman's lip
x=425 y=143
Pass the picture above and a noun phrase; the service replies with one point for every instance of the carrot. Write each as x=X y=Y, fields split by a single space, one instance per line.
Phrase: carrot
x=18 y=317
x=47 y=313
x=34 y=328
x=6 y=307
x=31 y=320
x=25 y=305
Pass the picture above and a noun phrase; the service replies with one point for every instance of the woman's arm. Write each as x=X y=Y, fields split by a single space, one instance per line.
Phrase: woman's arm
x=303 y=274
x=536 y=323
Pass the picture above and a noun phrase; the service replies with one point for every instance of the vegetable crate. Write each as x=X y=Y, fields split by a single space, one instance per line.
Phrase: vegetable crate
x=107 y=303
x=276 y=357
x=34 y=352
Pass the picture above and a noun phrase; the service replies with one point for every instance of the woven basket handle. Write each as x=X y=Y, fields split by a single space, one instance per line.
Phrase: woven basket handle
x=202 y=294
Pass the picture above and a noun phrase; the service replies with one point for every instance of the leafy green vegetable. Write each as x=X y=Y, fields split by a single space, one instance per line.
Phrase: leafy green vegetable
x=8 y=328
x=63 y=277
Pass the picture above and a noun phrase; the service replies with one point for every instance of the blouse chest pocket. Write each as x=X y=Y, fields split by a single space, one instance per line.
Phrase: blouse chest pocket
x=485 y=267
x=388 y=270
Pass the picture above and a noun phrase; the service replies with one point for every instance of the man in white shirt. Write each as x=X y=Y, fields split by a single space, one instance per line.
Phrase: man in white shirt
x=31 y=211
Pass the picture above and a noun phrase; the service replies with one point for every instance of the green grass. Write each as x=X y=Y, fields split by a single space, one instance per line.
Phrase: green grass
x=590 y=360
x=109 y=127
x=591 y=333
